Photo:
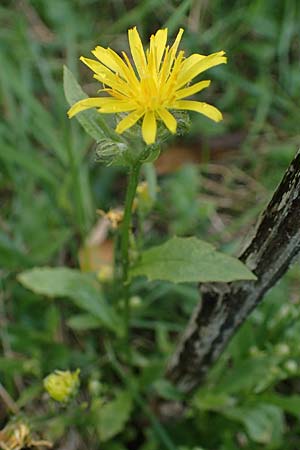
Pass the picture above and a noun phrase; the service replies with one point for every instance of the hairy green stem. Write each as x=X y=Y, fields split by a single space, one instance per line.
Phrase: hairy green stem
x=133 y=179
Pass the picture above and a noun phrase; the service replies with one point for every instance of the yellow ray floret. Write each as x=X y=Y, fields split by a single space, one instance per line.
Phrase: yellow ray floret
x=157 y=84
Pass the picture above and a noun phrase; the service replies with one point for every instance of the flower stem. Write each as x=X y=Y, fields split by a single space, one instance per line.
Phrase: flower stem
x=133 y=178
x=127 y=379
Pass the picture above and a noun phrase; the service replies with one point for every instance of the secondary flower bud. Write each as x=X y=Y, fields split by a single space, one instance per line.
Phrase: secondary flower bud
x=62 y=385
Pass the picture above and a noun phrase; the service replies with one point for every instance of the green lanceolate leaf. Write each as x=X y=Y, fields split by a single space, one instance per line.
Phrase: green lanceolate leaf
x=112 y=417
x=81 y=288
x=182 y=260
x=90 y=120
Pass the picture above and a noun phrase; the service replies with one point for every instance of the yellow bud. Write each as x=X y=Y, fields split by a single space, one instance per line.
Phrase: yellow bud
x=114 y=216
x=144 y=198
x=143 y=191
x=105 y=273
x=62 y=385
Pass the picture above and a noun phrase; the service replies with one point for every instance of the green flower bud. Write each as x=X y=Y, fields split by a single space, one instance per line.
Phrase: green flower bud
x=62 y=385
x=112 y=153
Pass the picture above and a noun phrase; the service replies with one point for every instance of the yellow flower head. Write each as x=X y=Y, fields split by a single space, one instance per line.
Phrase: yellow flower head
x=62 y=385
x=158 y=84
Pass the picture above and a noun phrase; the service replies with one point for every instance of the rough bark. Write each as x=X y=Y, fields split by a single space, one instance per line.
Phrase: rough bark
x=224 y=307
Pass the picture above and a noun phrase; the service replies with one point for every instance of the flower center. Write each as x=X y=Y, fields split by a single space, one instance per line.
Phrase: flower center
x=149 y=96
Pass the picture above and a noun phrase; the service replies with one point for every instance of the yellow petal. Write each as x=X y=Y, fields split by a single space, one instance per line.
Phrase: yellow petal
x=105 y=75
x=86 y=103
x=168 y=119
x=95 y=66
x=113 y=61
x=115 y=84
x=190 y=72
x=171 y=53
x=137 y=51
x=132 y=79
x=129 y=120
x=170 y=84
x=113 y=105
x=149 y=127
x=110 y=59
x=197 y=87
x=114 y=93
x=191 y=60
x=158 y=44
x=174 y=47
x=204 y=108
x=151 y=59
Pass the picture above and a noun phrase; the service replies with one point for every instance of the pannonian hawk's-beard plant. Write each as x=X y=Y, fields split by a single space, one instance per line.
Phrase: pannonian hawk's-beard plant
x=158 y=85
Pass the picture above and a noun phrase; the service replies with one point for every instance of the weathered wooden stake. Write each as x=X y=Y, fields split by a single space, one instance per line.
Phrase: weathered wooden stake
x=224 y=307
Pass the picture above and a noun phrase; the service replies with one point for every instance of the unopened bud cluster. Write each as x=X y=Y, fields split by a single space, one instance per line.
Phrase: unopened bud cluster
x=62 y=385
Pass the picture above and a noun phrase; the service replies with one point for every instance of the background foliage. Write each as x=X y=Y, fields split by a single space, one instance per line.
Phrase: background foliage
x=212 y=183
